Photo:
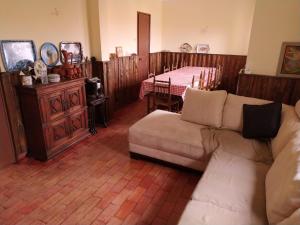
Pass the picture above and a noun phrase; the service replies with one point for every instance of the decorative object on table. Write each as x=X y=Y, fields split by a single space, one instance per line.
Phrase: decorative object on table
x=202 y=48
x=95 y=97
x=112 y=56
x=49 y=54
x=25 y=79
x=73 y=47
x=68 y=70
x=54 y=78
x=17 y=54
x=289 y=60
x=119 y=51
x=40 y=70
x=186 y=48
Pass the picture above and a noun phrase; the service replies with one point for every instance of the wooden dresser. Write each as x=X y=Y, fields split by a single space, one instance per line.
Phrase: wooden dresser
x=54 y=116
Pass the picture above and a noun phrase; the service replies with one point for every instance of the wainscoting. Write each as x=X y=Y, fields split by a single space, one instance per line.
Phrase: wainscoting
x=122 y=80
x=280 y=89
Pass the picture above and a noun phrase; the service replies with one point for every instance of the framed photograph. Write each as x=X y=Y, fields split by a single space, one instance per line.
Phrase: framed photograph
x=17 y=55
x=202 y=48
x=49 y=54
x=119 y=51
x=74 y=48
x=289 y=60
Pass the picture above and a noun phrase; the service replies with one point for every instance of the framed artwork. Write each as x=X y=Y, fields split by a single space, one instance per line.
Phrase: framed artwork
x=202 y=48
x=17 y=55
x=49 y=54
x=74 y=48
x=289 y=60
x=119 y=51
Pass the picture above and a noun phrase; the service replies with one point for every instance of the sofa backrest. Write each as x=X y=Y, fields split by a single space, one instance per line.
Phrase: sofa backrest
x=283 y=182
x=204 y=107
x=233 y=111
x=290 y=123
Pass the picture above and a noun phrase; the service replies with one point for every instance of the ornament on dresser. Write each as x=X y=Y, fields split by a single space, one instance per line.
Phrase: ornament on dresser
x=186 y=48
x=40 y=71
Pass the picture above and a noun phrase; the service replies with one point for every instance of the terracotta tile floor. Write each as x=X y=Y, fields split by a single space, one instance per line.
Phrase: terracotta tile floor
x=95 y=182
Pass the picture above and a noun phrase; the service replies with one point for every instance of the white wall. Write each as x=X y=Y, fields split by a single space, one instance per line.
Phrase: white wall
x=223 y=24
x=275 y=21
x=39 y=21
x=118 y=24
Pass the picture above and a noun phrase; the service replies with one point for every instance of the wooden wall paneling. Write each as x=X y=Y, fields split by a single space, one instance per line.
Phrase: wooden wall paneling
x=232 y=64
x=280 y=89
x=8 y=83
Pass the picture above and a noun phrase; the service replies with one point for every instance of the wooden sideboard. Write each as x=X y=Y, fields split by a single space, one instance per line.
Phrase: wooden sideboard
x=54 y=116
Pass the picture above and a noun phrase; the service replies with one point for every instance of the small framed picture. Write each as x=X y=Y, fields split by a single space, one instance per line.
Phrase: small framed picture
x=202 y=48
x=289 y=60
x=119 y=51
x=74 y=48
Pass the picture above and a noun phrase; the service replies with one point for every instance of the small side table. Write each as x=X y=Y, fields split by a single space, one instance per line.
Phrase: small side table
x=92 y=103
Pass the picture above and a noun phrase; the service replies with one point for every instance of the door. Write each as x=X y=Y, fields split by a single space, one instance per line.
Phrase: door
x=7 y=155
x=78 y=123
x=143 y=38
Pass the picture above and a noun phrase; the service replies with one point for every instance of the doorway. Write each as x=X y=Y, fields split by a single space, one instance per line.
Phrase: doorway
x=6 y=144
x=143 y=43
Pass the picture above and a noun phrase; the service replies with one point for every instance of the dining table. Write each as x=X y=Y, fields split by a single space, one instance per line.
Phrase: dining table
x=181 y=79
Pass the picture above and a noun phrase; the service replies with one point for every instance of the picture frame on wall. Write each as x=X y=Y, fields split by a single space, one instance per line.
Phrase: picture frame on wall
x=119 y=51
x=289 y=60
x=73 y=47
x=17 y=55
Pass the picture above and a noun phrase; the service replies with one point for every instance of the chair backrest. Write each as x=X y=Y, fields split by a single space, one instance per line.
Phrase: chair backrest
x=162 y=89
x=174 y=66
x=166 y=69
x=150 y=75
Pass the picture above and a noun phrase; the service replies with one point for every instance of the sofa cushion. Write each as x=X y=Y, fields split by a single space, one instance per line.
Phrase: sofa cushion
x=231 y=191
x=290 y=123
x=297 y=108
x=283 y=182
x=204 y=107
x=293 y=219
x=261 y=121
x=165 y=131
x=233 y=110
x=242 y=180
x=251 y=149
x=206 y=213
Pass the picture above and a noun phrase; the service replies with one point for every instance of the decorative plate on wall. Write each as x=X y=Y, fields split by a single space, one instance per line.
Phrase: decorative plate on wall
x=49 y=54
x=186 y=47
x=17 y=55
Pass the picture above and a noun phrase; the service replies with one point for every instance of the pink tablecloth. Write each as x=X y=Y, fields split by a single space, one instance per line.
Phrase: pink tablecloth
x=181 y=79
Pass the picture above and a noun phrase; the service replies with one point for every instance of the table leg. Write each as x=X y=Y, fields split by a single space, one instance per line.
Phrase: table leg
x=92 y=123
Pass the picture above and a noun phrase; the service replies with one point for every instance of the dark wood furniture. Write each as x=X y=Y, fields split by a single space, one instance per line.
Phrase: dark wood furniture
x=162 y=97
x=100 y=102
x=54 y=116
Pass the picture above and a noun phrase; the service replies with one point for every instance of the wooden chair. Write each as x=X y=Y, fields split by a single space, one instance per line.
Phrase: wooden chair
x=166 y=69
x=211 y=82
x=162 y=97
x=174 y=67
x=150 y=75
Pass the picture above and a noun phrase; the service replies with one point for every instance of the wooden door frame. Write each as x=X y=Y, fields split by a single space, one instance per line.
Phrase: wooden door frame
x=148 y=14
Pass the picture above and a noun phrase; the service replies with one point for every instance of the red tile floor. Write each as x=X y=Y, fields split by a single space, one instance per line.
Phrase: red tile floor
x=95 y=182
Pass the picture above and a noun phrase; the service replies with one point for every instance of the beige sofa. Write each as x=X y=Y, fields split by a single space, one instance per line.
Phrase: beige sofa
x=245 y=181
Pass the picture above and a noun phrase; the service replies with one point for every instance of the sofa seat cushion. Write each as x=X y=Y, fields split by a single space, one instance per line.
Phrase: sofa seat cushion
x=234 y=143
x=206 y=213
x=165 y=131
x=236 y=184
